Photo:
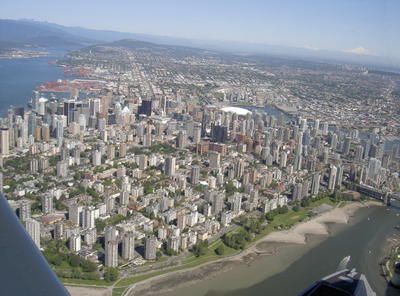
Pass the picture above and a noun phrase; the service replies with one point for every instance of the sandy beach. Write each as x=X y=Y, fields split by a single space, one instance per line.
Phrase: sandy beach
x=264 y=247
x=315 y=226
x=81 y=291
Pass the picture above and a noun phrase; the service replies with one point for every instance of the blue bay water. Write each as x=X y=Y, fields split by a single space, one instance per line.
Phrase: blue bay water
x=19 y=77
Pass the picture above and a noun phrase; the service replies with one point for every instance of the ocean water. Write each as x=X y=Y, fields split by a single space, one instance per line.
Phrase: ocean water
x=19 y=77
x=295 y=267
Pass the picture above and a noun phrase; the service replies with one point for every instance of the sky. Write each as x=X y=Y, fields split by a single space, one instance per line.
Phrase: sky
x=359 y=26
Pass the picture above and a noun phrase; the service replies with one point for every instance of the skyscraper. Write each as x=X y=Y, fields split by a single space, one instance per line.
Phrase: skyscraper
x=111 y=253
x=47 y=204
x=128 y=246
x=181 y=220
x=143 y=160
x=346 y=145
x=181 y=140
x=94 y=106
x=25 y=210
x=374 y=167
x=145 y=108
x=215 y=159
x=332 y=178
x=33 y=228
x=297 y=191
x=217 y=203
x=96 y=158
x=89 y=217
x=283 y=159
x=195 y=175
x=237 y=203
x=31 y=123
x=197 y=134
x=4 y=141
x=170 y=166
x=75 y=242
x=339 y=176
x=315 y=184
x=110 y=233
x=219 y=133
x=59 y=230
x=59 y=129
x=150 y=247
x=74 y=213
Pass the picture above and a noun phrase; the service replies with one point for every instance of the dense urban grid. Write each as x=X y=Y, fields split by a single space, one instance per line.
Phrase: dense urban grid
x=161 y=154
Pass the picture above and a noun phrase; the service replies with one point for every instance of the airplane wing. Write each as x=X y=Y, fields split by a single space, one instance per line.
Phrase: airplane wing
x=23 y=268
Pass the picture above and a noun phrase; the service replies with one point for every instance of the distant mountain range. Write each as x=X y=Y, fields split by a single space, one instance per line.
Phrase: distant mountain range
x=29 y=33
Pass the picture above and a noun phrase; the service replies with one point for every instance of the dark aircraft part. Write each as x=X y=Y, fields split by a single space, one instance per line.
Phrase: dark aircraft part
x=23 y=269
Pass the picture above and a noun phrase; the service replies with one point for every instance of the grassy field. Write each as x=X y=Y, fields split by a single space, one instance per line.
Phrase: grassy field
x=289 y=219
x=118 y=291
x=211 y=252
x=189 y=262
x=86 y=282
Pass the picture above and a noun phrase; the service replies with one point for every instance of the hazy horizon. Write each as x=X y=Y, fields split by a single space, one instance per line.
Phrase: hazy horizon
x=358 y=27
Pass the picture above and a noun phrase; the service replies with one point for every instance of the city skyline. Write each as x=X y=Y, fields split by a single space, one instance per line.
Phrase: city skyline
x=358 y=27
x=141 y=164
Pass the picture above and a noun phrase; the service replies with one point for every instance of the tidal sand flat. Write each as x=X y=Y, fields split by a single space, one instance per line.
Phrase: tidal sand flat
x=279 y=241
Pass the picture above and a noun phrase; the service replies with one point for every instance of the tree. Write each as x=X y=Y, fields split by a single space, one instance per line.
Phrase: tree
x=57 y=260
x=230 y=189
x=269 y=216
x=88 y=266
x=111 y=274
x=305 y=203
x=100 y=225
x=60 y=206
x=74 y=260
x=220 y=250
x=200 y=248
x=283 y=210
x=170 y=252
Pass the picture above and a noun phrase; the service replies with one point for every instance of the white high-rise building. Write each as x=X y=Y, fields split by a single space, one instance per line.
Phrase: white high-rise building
x=283 y=159
x=332 y=178
x=128 y=246
x=315 y=184
x=150 y=247
x=197 y=134
x=89 y=217
x=110 y=233
x=74 y=213
x=33 y=228
x=4 y=141
x=95 y=107
x=374 y=167
x=215 y=159
x=96 y=158
x=62 y=169
x=47 y=204
x=59 y=128
x=75 y=242
x=195 y=175
x=111 y=253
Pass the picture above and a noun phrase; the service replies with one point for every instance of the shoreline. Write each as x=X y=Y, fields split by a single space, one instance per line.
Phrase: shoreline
x=265 y=246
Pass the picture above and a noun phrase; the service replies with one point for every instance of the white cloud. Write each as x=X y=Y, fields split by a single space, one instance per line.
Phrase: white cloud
x=360 y=50
x=311 y=47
